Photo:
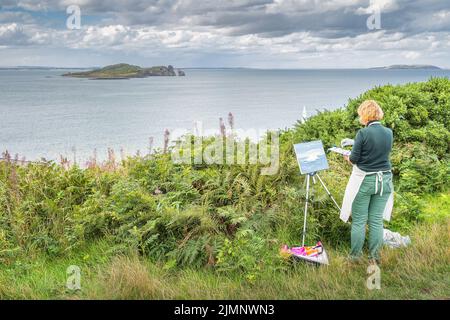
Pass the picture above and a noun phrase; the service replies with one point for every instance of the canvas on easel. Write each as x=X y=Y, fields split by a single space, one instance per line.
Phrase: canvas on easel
x=311 y=158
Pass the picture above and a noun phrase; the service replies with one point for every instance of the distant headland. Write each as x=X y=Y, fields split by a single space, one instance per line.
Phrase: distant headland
x=409 y=66
x=126 y=71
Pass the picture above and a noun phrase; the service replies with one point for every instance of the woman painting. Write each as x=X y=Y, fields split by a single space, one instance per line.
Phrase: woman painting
x=369 y=193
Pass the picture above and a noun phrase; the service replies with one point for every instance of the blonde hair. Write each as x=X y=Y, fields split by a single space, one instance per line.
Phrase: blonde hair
x=370 y=110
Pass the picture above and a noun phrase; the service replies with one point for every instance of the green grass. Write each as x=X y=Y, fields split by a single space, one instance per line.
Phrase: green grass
x=420 y=271
x=436 y=207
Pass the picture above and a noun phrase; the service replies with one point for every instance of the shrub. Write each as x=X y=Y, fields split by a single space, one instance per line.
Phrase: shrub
x=248 y=254
x=230 y=217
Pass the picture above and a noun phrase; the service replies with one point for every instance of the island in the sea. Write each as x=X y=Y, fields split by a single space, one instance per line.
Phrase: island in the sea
x=126 y=71
x=409 y=66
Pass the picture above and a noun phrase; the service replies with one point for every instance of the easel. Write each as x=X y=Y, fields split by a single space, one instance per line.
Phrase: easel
x=308 y=177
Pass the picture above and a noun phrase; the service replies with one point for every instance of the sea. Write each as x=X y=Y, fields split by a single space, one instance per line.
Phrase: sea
x=45 y=115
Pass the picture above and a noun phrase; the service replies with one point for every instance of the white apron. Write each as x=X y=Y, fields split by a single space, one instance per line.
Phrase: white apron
x=352 y=189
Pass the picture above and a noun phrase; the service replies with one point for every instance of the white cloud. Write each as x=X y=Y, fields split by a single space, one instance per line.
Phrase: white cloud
x=280 y=30
x=411 y=55
x=310 y=6
x=12 y=33
x=108 y=36
x=383 y=6
x=143 y=38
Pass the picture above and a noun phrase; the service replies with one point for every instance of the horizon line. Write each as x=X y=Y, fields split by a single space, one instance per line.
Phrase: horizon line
x=237 y=67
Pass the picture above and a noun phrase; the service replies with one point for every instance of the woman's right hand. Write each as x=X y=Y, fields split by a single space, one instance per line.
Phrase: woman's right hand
x=348 y=159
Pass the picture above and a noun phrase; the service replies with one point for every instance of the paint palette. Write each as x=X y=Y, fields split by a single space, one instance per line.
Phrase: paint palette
x=315 y=254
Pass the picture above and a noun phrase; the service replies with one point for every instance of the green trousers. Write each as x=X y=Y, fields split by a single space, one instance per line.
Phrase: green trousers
x=368 y=207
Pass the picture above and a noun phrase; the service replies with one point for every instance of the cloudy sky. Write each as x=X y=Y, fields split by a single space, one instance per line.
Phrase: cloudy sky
x=226 y=33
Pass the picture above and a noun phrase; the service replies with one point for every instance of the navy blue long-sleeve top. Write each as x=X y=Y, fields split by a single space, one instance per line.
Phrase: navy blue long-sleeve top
x=372 y=148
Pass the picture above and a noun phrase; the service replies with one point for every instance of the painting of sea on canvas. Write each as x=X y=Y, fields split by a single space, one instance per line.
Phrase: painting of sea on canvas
x=311 y=156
